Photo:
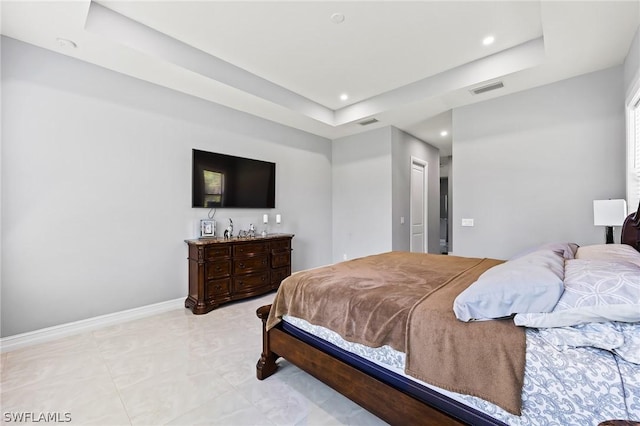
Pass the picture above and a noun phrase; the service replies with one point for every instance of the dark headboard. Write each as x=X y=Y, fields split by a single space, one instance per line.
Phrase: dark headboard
x=631 y=230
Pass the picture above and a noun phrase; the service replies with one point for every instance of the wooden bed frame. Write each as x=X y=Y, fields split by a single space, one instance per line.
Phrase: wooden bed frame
x=360 y=387
x=631 y=230
x=363 y=389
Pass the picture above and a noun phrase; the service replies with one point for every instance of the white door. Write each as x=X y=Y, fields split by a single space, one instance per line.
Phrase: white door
x=418 y=201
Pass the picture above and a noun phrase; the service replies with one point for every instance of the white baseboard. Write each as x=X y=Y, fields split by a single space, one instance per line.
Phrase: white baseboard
x=22 y=340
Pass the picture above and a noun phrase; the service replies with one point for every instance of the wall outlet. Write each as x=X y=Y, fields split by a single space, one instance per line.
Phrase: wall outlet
x=401 y=220
x=344 y=256
x=467 y=222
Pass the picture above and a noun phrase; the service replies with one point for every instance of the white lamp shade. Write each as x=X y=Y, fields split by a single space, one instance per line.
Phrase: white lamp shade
x=609 y=212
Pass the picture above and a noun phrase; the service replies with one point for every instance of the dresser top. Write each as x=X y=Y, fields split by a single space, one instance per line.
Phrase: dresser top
x=221 y=240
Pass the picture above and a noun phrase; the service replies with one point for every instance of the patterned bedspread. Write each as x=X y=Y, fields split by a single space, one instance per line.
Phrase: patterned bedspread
x=562 y=386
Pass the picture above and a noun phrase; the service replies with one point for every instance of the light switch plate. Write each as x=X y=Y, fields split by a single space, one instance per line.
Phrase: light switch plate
x=467 y=222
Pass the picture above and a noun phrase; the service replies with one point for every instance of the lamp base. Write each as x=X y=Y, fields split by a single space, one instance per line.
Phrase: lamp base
x=609 y=234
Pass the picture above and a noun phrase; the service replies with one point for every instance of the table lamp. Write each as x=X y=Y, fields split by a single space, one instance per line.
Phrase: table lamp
x=609 y=213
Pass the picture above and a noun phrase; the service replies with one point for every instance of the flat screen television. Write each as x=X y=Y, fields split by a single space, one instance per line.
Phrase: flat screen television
x=221 y=180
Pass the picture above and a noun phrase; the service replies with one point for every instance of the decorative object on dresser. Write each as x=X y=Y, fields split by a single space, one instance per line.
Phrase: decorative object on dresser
x=228 y=233
x=207 y=228
x=223 y=270
x=265 y=221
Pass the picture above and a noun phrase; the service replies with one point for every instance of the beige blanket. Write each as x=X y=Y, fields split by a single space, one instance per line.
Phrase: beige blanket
x=382 y=299
x=484 y=359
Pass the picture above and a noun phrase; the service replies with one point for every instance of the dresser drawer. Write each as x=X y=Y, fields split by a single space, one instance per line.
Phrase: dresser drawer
x=250 y=283
x=216 y=251
x=250 y=249
x=218 y=288
x=277 y=275
x=280 y=259
x=250 y=264
x=284 y=245
x=217 y=269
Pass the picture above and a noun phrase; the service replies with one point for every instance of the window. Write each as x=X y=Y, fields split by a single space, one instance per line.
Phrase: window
x=633 y=179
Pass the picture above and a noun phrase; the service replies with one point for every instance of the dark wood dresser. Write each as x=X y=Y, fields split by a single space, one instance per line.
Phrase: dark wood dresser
x=222 y=270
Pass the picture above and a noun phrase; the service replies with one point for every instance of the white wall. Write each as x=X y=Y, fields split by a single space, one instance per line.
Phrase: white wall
x=528 y=166
x=632 y=66
x=361 y=185
x=96 y=187
x=404 y=146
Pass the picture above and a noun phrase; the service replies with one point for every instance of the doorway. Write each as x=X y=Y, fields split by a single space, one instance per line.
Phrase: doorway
x=418 y=201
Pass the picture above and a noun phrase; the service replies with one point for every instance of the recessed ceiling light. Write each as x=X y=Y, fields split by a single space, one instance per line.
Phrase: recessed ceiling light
x=444 y=133
x=344 y=97
x=488 y=40
x=65 y=42
x=337 y=18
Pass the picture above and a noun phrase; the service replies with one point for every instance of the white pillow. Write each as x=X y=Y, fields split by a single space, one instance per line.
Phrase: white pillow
x=531 y=283
x=594 y=291
x=612 y=252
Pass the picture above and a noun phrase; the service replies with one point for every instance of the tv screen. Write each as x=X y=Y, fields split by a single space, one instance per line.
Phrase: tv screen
x=221 y=180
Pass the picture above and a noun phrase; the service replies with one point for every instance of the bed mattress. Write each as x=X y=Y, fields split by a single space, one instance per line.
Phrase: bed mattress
x=555 y=391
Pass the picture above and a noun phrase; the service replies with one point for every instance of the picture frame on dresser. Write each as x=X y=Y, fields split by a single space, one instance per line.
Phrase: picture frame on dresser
x=224 y=270
x=207 y=228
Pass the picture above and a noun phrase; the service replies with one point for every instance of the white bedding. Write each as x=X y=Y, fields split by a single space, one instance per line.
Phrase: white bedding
x=562 y=386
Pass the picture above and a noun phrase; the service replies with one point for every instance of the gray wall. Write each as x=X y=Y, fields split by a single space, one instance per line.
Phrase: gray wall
x=528 y=166
x=96 y=184
x=371 y=192
x=404 y=146
x=362 y=194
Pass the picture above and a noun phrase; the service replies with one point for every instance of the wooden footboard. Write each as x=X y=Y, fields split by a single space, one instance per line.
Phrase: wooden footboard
x=386 y=402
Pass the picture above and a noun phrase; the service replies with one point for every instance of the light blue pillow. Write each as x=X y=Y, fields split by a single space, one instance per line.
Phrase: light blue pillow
x=595 y=291
x=567 y=250
x=530 y=283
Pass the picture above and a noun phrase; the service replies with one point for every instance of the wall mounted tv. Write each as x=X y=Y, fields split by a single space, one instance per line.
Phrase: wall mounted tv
x=221 y=180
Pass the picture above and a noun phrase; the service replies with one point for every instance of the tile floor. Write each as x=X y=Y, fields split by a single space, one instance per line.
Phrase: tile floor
x=174 y=368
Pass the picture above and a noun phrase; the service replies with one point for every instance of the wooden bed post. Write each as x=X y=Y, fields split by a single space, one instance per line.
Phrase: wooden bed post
x=267 y=363
x=630 y=233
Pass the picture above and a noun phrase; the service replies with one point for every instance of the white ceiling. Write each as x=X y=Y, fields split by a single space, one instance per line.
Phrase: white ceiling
x=405 y=63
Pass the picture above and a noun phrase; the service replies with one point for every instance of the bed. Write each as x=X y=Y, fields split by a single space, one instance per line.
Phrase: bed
x=449 y=354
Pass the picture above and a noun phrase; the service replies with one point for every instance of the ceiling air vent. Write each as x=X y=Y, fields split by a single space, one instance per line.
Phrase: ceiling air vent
x=367 y=122
x=487 y=88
